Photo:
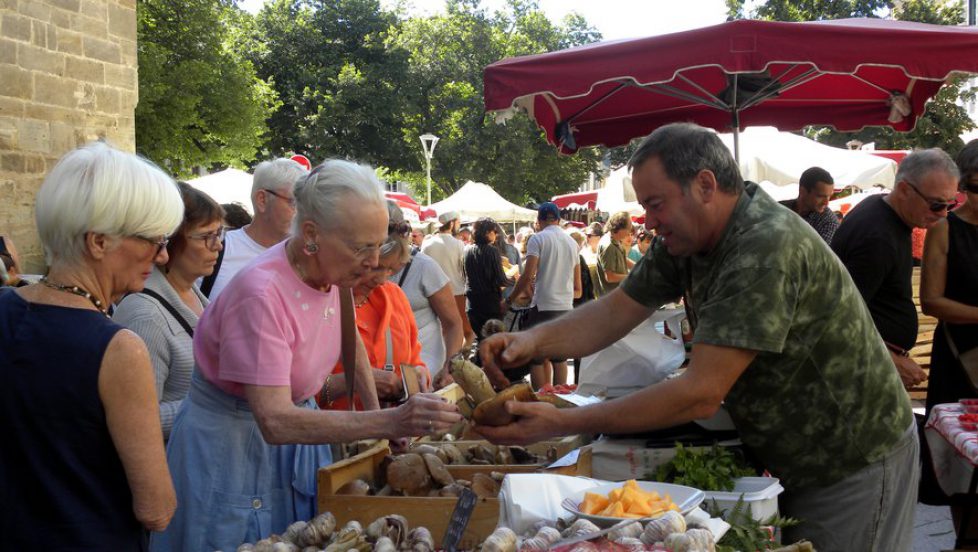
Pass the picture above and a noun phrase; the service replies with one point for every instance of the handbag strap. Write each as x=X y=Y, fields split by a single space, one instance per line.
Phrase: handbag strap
x=407 y=267
x=348 y=343
x=173 y=311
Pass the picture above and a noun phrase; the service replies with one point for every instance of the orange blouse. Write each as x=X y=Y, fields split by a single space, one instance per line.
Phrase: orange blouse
x=386 y=306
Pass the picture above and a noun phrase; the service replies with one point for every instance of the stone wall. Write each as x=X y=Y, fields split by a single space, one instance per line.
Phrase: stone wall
x=67 y=77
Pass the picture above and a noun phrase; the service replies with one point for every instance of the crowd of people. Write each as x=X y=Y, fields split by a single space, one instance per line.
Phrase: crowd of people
x=181 y=371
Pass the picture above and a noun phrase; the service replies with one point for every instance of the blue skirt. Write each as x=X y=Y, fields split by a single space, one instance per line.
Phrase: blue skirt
x=232 y=486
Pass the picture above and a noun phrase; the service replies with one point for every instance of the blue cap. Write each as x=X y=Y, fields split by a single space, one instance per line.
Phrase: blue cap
x=548 y=211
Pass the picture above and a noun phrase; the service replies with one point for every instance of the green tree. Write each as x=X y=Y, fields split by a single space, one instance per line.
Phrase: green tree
x=200 y=103
x=339 y=82
x=943 y=121
x=444 y=96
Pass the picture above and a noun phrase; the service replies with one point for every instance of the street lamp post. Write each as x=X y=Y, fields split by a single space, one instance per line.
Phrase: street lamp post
x=428 y=142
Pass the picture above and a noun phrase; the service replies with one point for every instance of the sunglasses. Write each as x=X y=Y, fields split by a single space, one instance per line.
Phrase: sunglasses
x=932 y=204
x=402 y=228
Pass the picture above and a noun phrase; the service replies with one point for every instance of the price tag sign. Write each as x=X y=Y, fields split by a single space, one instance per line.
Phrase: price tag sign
x=459 y=520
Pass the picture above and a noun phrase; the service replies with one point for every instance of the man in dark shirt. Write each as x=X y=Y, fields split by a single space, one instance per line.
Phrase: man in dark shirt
x=874 y=244
x=815 y=189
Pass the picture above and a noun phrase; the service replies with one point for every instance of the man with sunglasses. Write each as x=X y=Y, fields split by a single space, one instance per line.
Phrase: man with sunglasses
x=274 y=207
x=874 y=243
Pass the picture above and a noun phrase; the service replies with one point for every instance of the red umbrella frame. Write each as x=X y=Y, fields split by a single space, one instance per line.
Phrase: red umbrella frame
x=848 y=74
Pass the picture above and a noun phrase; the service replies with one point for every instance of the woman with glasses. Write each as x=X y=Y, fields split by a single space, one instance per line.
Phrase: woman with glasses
x=83 y=466
x=165 y=313
x=948 y=280
x=385 y=322
x=249 y=438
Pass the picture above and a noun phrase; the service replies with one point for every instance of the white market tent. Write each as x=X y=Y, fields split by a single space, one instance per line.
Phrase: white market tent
x=227 y=186
x=618 y=194
x=475 y=199
x=768 y=155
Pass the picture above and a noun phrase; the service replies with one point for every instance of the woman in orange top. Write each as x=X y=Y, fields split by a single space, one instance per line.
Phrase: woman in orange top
x=382 y=306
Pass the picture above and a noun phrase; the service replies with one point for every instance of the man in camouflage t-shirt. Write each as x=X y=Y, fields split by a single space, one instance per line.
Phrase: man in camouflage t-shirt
x=782 y=338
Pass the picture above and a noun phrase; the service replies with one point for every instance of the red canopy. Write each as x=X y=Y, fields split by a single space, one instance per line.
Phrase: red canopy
x=405 y=201
x=588 y=200
x=847 y=73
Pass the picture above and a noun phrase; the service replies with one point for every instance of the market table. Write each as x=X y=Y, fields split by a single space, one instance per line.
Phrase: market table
x=954 y=452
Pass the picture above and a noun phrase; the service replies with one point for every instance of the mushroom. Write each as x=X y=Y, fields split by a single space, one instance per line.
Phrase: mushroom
x=408 y=474
x=425 y=449
x=357 y=487
x=437 y=470
x=484 y=486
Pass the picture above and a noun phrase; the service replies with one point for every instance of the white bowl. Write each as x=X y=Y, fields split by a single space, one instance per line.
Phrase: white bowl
x=686 y=498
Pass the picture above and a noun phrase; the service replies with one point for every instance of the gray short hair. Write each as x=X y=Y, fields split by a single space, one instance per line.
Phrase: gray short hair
x=97 y=188
x=319 y=194
x=396 y=243
x=684 y=149
x=918 y=164
x=277 y=174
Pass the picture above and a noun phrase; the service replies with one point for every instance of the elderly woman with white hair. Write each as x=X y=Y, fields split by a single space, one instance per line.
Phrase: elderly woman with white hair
x=249 y=437
x=83 y=461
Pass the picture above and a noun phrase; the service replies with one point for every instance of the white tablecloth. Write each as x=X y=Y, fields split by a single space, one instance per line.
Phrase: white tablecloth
x=954 y=451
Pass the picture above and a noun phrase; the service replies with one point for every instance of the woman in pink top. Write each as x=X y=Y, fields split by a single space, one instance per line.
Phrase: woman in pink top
x=249 y=438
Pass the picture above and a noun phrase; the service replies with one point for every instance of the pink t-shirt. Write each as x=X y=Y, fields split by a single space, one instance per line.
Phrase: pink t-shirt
x=269 y=328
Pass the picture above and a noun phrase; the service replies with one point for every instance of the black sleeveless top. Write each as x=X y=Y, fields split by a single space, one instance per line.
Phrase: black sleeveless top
x=947 y=381
x=62 y=483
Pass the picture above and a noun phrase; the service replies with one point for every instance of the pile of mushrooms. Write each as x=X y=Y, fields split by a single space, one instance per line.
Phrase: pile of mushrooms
x=385 y=534
x=481 y=454
x=422 y=474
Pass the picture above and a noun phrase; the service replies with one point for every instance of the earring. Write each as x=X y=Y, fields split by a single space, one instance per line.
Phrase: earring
x=311 y=248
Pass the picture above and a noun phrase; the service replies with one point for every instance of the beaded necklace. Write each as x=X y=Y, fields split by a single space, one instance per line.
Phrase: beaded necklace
x=75 y=290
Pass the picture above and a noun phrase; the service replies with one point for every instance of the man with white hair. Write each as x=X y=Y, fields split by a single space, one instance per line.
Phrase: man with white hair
x=449 y=252
x=274 y=207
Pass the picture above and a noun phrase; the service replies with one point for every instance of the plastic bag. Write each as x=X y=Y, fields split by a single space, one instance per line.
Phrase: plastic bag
x=639 y=359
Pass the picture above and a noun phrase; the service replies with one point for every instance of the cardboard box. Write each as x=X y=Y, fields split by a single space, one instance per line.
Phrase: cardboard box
x=430 y=512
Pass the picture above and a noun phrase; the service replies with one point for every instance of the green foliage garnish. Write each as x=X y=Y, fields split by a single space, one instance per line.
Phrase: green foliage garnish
x=712 y=469
x=746 y=534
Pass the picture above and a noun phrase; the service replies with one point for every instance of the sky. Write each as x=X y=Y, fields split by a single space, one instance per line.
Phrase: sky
x=614 y=18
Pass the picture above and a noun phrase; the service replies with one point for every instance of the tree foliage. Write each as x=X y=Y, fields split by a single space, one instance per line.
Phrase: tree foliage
x=944 y=119
x=200 y=102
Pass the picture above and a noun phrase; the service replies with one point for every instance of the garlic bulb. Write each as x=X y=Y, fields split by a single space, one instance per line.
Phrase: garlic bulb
x=318 y=531
x=419 y=539
x=631 y=543
x=630 y=530
x=580 y=528
x=694 y=540
x=503 y=539
x=543 y=539
x=292 y=533
x=659 y=528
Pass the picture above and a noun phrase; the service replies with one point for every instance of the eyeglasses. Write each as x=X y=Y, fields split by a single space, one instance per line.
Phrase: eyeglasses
x=365 y=252
x=160 y=243
x=934 y=205
x=287 y=199
x=211 y=239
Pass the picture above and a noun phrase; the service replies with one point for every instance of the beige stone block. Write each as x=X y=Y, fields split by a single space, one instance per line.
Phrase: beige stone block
x=85 y=69
x=101 y=49
x=15 y=82
x=12 y=162
x=61 y=19
x=70 y=5
x=120 y=76
x=70 y=42
x=64 y=137
x=8 y=51
x=34 y=136
x=8 y=133
x=85 y=96
x=15 y=26
x=52 y=114
x=34 y=10
x=35 y=164
x=129 y=54
x=39 y=34
x=122 y=21
x=107 y=99
x=52 y=90
x=95 y=8
x=128 y=3
x=40 y=59
x=90 y=26
x=11 y=107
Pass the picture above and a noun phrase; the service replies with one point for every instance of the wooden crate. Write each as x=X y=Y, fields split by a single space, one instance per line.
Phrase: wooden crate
x=430 y=512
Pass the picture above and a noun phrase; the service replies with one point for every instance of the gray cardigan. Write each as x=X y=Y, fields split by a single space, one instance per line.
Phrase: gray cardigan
x=170 y=346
